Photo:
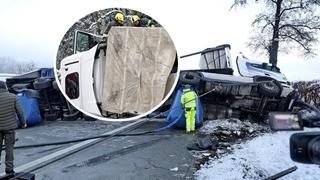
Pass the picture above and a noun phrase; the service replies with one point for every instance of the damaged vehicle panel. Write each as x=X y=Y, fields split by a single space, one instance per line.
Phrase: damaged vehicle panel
x=40 y=97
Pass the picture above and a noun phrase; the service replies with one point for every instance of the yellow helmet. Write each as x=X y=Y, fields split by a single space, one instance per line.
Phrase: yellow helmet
x=135 y=18
x=119 y=17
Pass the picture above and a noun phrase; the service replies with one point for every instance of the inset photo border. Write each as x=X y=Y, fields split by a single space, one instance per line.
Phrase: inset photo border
x=116 y=64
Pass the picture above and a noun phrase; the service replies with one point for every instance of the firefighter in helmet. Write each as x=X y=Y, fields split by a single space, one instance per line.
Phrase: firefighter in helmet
x=118 y=20
x=141 y=22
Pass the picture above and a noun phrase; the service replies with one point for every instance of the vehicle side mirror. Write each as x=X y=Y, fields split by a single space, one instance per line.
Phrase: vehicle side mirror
x=283 y=121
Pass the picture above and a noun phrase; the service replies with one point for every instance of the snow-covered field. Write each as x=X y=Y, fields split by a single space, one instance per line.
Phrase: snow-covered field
x=258 y=158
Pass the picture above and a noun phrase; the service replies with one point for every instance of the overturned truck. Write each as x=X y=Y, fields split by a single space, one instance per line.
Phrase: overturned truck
x=258 y=89
x=40 y=97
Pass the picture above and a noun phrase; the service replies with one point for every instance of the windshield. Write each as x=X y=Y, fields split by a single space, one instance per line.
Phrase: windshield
x=265 y=66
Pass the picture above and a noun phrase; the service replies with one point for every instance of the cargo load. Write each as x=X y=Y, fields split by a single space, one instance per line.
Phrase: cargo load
x=138 y=65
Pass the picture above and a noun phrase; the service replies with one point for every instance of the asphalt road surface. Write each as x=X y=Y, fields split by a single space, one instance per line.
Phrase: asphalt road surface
x=161 y=156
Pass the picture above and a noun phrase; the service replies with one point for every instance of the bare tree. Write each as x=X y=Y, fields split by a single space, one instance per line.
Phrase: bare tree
x=10 y=65
x=25 y=67
x=90 y=23
x=293 y=24
x=309 y=91
x=7 y=65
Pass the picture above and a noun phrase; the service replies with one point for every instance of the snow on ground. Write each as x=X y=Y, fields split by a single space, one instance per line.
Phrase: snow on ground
x=258 y=158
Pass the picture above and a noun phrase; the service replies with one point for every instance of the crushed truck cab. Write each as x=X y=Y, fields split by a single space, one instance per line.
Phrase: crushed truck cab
x=76 y=71
x=127 y=74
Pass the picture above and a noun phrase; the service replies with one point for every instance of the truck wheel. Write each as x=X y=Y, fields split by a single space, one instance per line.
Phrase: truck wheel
x=41 y=83
x=270 y=87
x=191 y=78
x=51 y=116
x=67 y=116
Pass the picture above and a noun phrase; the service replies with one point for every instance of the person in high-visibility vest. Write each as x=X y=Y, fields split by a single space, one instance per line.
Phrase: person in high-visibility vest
x=188 y=101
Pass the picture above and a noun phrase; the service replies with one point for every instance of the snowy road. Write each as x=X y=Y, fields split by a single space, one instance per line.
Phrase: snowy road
x=259 y=158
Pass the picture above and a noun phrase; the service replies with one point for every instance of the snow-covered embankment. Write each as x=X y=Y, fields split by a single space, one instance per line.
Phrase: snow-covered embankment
x=258 y=158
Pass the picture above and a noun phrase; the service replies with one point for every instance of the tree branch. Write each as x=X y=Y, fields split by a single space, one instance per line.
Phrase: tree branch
x=263 y=17
x=288 y=9
x=303 y=35
x=301 y=25
x=265 y=26
x=291 y=8
x=305 y=47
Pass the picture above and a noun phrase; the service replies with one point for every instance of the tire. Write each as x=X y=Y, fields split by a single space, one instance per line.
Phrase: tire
x=269 y=88
x=20 y=87
x=51 y=116
x=73 y=116
x=191 y=78
x=41 y=83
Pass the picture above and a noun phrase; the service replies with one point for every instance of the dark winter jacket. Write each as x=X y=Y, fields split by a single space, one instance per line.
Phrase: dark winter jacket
x=111 y=24
x=9 y=106
x=145 y=22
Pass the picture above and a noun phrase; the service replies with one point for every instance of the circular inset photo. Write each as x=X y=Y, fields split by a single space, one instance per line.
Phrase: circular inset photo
x=116 y=64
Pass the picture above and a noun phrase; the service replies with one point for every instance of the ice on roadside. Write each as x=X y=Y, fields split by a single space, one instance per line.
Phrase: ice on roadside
x=175 y=169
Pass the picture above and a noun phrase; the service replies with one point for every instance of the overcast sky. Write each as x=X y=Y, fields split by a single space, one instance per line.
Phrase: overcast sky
x=32 y=29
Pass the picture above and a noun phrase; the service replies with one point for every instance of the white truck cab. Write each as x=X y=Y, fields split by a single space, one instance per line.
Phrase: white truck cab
x=251 y=68
x=82 y=69
x=76 y=71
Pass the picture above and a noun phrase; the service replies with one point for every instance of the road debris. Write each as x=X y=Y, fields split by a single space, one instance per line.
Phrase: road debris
x=227 y=132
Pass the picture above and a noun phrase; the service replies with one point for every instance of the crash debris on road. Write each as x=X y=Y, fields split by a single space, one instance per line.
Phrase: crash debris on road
x=226 y=132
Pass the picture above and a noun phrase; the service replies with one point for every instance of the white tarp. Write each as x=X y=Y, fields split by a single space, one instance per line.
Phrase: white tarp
x=138 y=65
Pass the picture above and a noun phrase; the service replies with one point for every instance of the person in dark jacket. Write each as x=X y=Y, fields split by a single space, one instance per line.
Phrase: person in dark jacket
x=9 y=107
x=141 y=22
x=118 y=20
